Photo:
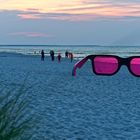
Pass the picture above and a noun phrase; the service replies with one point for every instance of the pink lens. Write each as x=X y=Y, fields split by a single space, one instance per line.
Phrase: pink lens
x=105 y=64
x=135 y=66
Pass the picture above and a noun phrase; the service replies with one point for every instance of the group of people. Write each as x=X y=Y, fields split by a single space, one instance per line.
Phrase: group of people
x=52 y=55
x=69 y=55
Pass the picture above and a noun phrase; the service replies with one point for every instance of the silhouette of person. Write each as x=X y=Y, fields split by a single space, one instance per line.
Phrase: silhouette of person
x=66 y=54
x=59 y=57
x=42 y=55
x=71 y=57
x=52 y=55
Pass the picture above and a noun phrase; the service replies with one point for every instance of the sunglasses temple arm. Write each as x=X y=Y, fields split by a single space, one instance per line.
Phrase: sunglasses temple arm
x=79 y=65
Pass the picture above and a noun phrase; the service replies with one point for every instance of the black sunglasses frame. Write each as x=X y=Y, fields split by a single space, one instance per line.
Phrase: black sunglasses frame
x=121 y=61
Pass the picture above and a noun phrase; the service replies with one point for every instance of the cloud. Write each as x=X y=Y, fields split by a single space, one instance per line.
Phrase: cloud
x=30 y=34
x=126 y=15
x=30 y=16
x=74 y=9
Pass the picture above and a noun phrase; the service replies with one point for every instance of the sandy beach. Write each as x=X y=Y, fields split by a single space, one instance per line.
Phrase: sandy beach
x=85 y=107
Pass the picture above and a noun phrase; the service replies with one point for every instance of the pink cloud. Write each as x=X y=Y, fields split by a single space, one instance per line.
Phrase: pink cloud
x=87 y=13
x=84 y=11
x=30 y=16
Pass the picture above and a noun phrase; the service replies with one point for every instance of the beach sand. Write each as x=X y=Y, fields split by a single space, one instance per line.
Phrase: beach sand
x=85 y=107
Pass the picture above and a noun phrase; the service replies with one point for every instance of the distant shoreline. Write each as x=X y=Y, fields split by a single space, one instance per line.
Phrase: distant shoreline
x=14 y=54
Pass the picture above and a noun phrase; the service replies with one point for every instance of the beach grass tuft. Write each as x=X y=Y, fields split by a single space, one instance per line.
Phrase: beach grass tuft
x=16 y=120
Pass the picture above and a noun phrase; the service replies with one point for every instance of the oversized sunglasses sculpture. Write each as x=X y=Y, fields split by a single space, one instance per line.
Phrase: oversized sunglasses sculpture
x=110 y=64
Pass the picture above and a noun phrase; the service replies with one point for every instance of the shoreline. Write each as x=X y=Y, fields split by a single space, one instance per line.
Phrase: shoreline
x=81 y=55
x=16 y=54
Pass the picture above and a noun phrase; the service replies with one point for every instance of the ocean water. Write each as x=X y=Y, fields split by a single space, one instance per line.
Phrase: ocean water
x=79 y=51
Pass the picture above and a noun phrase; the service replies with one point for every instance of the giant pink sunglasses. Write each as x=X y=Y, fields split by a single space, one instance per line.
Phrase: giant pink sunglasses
x=110 y=64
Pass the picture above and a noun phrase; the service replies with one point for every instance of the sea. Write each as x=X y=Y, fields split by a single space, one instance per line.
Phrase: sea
x=79 y=51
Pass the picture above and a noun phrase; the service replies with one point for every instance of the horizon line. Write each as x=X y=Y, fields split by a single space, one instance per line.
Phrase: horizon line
x=65 y=45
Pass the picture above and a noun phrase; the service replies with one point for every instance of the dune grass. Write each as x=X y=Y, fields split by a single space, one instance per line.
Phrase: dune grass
x=16 y=121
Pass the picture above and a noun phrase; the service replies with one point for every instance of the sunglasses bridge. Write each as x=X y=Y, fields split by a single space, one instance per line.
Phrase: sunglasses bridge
x=124 y=61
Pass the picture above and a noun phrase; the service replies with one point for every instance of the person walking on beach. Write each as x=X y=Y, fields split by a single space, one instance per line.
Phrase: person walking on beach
x=59 y=57
x=71 y=56
x=52 y=55
x=42 y=55
x=66 y=54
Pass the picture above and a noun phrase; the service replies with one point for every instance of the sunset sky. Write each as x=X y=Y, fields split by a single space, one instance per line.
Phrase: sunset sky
x=102 y=22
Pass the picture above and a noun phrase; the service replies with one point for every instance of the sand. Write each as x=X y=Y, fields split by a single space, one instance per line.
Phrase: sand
x=85 y=107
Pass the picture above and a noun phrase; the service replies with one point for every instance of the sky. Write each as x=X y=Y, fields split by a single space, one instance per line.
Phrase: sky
x=74 y=22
